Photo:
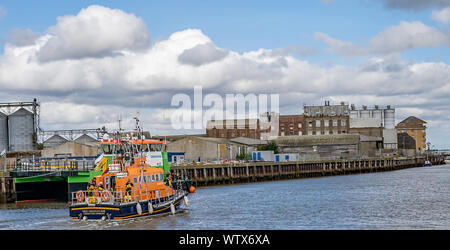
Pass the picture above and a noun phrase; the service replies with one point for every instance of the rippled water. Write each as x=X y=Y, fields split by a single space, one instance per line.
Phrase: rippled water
x=417 y=198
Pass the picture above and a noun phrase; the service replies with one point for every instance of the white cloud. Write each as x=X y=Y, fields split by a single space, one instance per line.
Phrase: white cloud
x=394 y=39
x=91 y=90
x=340 y=47
x=442 y=16
x=407 y=35
x=201 y=54
x=414 y=4
x=94 y=32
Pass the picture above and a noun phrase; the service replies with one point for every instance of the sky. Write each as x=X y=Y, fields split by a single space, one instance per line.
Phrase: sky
x=90 y=62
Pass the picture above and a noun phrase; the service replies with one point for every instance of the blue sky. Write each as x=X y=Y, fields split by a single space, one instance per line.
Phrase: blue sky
x=239 y=25
x=364 y=52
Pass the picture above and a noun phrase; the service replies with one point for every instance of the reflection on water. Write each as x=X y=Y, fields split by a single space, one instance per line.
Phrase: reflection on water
x=415 y=198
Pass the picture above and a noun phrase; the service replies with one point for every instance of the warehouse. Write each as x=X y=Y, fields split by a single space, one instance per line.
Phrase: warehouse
x=201 y=149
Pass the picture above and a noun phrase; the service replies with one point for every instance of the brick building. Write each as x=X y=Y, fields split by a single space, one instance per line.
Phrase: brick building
x=228 y=129
x=416 y=128
x=291 y=125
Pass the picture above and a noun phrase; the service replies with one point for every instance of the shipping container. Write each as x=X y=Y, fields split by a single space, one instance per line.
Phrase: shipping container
x=287 y=157
x=263 y=156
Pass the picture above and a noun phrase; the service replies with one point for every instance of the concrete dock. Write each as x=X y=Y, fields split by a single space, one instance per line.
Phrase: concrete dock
x=205 y=175
x=218 y=174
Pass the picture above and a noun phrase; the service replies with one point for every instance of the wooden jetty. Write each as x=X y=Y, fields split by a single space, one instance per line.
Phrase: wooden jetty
x=205 y=175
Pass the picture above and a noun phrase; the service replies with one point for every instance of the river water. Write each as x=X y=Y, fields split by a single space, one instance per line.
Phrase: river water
x=416 y=198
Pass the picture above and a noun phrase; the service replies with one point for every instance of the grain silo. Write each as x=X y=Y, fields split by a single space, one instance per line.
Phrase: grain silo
x=21 y=130
x=364 y=113
x=389 y=118
x=3 y=132
x=378 y=114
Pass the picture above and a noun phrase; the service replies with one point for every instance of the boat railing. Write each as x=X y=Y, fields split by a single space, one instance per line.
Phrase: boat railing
x=121 y=195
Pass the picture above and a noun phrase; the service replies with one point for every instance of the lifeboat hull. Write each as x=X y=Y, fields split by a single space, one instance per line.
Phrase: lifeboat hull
x=121 y=211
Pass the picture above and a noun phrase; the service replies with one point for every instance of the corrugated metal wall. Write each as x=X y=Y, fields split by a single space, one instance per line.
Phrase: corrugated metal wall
x=21 y=128
x=3 y=132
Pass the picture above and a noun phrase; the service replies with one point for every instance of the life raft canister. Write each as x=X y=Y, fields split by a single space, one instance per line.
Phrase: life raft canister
x=80 y=196
x=105 y=195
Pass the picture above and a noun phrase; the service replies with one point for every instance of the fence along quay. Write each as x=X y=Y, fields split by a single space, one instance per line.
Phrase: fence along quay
x=217 y=174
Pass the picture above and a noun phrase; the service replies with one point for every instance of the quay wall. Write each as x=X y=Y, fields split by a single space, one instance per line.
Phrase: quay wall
x=206 y=175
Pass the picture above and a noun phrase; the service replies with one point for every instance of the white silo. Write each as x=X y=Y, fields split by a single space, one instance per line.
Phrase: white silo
x=364 y=113
x=378 y=114
x=389 y=118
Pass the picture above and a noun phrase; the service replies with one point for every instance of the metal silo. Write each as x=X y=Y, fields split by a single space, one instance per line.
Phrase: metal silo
x=3 y=132
x=364 y=113
x=354 y=113
x=21 y=129
x=378 y=114
x=389 y=118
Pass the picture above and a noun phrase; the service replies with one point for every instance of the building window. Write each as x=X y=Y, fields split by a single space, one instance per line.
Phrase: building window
x=310 y=132
x=299 y=125
x=335 y=123
x=317 y=123
x=282 y=133
x=326 y=123
x=300 y=133
x=318 y=133
x=335 y=132
x=310 y=124
x=326 y=132
x=343 y=123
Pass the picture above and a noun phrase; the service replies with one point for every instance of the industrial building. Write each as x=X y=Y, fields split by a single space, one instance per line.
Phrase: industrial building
x=330 y=146
x=291 y=125
x=54 y=140
x=327 y=119
x=416 y=128
x=204 y=149
x=233 y=128
x=406 y=144
x=316 y=147
x=70 y=149
x=375 y=121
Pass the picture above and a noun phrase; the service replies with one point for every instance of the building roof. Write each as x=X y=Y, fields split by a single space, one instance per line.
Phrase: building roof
x=54 y=140
x=84 y=138
x=248 y=141
x=411 y=121
x=308 y=140
x=212 y=139
x=169 y=138
x=22 y=111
